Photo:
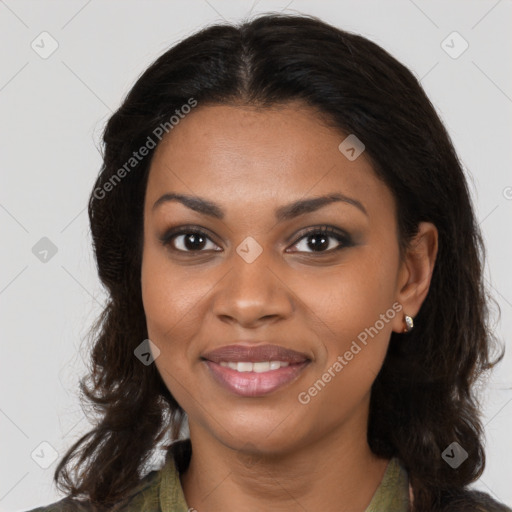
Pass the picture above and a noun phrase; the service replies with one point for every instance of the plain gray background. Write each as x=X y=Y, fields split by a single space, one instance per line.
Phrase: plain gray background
x=52 y=112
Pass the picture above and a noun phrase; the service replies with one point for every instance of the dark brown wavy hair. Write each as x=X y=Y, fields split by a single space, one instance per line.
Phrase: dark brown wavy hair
x=424 y=397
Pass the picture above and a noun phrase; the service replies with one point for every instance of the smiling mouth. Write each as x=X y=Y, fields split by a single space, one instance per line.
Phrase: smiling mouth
x=254 y=379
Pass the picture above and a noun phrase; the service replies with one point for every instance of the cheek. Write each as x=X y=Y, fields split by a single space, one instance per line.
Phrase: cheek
x=355 y=310
x=172 y=307
x=171 y=299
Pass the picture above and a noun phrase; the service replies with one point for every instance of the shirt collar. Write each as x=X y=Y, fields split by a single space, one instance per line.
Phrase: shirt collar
x=393 y=490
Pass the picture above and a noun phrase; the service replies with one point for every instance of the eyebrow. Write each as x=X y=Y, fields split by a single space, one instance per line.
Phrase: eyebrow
x=287 y=212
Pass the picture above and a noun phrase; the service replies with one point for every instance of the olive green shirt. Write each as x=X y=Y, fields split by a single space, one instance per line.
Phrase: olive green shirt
x=161 y=491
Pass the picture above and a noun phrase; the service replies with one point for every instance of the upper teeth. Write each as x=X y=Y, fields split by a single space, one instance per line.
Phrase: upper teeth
x=264 y=366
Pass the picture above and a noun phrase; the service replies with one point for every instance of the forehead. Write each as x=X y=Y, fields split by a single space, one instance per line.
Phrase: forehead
x=243 y=155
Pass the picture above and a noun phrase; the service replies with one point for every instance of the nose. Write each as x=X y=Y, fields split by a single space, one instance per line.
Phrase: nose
x=253 y=293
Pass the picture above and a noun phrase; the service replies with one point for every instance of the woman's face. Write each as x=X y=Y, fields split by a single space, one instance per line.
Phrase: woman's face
x=262 y=272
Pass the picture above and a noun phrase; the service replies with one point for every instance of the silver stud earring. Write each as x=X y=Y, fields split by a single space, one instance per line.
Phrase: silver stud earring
x=409 y=324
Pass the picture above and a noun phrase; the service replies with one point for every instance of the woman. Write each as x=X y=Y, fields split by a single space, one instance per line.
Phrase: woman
x=294 y=267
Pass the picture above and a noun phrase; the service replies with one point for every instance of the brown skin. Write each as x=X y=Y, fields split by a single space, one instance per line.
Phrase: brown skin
x=250 y=162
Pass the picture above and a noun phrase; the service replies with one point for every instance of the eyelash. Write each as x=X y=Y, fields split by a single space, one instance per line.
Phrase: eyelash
x=341 y=237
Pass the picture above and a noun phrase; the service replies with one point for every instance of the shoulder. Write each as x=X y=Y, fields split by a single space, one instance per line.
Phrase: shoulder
x=145 y=496
x=64 y=505
x=470 y=500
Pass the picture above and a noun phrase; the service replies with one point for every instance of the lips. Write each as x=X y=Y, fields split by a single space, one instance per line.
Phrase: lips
x=254 y=371
x=253 y=354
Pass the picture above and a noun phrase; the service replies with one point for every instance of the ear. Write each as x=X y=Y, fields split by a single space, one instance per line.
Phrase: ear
x=415 y=272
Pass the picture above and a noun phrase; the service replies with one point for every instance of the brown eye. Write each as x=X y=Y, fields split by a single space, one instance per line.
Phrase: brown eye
x=188 y=240
x=320 y=240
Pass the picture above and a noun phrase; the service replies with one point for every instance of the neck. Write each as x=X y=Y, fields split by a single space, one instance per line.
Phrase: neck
x=336 y=472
